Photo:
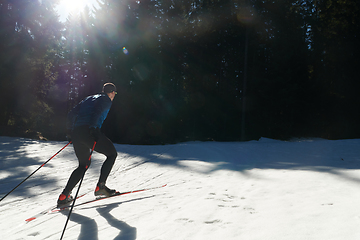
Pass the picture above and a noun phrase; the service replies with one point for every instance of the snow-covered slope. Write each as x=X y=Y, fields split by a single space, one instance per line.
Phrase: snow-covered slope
x=266 y=189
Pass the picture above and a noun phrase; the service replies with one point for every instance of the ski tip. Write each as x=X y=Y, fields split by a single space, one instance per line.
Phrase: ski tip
x=30 y=219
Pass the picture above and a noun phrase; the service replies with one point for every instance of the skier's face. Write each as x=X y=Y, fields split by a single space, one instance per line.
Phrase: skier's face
x=112 y=95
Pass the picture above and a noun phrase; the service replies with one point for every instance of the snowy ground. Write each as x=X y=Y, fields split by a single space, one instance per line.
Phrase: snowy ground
x=266 y=189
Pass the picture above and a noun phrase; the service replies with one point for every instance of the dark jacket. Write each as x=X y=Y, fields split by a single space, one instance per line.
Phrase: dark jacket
x=91 y=112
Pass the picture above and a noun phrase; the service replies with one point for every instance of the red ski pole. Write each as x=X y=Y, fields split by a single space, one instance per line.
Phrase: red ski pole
x=34 y=171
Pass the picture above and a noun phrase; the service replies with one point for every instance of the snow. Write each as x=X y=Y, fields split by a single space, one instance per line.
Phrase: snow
x=266 y=189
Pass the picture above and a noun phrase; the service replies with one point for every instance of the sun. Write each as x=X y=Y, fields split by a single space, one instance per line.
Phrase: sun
x=73 y=5
x=66 y=7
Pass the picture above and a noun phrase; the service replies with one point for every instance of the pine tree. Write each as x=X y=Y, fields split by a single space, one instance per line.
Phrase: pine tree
x=29 y=44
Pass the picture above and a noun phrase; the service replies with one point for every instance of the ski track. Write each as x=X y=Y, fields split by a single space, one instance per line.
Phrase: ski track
x=266 y=189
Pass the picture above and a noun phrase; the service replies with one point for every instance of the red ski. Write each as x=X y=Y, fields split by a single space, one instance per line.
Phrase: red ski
x=102 y=198
x=46 y=211
x=56 y=209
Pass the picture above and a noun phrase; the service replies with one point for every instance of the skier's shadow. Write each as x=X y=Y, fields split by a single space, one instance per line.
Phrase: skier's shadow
x=126 y=231
x=89 y=228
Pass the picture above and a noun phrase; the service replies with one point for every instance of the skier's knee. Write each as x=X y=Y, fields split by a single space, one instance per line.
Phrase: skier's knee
x=112 y=155
x=84 y=167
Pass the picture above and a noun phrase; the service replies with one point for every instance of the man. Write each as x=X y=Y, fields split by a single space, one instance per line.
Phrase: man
x=83 y=127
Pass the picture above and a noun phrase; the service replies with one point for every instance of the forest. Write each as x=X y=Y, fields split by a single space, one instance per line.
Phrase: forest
x=185 y=70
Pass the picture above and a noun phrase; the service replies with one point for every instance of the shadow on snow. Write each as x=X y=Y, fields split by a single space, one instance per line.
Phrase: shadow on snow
x=89 y=228
x=318 y=155
x=16 y=164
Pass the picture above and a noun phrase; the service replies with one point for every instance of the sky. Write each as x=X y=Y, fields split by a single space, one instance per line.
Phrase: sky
x=267 y=189
x=67 y=6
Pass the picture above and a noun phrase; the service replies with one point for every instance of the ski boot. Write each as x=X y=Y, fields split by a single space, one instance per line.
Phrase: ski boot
x=64 y=199
x=102 y=190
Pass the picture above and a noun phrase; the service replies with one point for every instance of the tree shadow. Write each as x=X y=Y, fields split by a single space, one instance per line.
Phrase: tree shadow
x=16 y=165
x=318 y=155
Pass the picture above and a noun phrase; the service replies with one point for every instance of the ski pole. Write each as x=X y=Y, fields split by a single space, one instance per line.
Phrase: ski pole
x=34 y=171
x=77 y=192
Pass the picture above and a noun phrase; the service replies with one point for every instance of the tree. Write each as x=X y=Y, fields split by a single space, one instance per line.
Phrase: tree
x=28 y=43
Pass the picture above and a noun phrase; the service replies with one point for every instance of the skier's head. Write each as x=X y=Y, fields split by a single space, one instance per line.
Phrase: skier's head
x=110 y=90
x=109 y=87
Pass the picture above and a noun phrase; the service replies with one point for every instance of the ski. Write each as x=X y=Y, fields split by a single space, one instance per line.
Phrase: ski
x=102 y=198
x=56 y=209
x=50 y=209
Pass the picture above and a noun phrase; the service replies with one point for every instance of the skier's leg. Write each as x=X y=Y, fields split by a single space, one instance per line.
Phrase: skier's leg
x=82 y=153
x=106 y=147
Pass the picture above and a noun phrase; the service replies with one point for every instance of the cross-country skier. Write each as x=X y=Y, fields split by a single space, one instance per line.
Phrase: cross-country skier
x=83 y=128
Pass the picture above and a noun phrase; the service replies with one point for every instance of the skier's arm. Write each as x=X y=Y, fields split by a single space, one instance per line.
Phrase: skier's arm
x=71 y=118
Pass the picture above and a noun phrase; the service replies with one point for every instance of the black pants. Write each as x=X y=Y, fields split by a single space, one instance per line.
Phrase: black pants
x=83 y=143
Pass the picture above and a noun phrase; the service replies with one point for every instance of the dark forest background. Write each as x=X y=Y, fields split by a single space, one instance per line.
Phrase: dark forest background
x=223 y=70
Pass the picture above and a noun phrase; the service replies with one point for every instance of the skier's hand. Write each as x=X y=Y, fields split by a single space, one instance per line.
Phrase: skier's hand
x=95 y=133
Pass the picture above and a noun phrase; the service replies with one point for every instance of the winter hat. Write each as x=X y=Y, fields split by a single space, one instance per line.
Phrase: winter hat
x=109 y=87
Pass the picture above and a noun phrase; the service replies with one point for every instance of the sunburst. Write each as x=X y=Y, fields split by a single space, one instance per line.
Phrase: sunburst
x=73 y=5
x=66 y=7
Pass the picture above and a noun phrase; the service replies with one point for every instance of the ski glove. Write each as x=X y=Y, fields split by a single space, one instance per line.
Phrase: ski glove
x=95 y=133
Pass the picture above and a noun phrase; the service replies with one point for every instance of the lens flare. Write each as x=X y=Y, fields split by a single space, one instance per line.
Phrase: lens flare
x=125 y=51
